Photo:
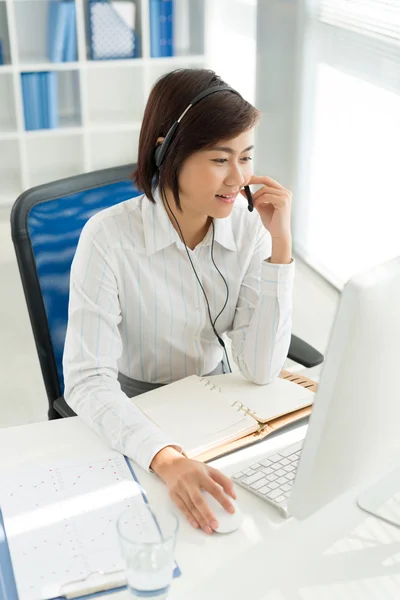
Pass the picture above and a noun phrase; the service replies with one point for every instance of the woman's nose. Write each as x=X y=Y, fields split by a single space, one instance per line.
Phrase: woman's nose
x=235 y=177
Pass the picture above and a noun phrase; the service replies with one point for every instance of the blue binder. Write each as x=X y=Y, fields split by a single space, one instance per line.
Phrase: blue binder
x=31 y=96
x=8 y=591
x=43 y=101
x=70 y=50
x=25 y=102
x=58 y=18
x=163 y=28
x=1 y=53
x=155 y=47
x=52 y=100
x=170 y=28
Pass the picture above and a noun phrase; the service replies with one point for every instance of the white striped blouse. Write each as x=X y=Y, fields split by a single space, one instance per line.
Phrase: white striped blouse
x=136 y=308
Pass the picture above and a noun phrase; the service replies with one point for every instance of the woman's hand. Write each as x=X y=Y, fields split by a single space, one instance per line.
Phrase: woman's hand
x=273 y=203
x=185 y=479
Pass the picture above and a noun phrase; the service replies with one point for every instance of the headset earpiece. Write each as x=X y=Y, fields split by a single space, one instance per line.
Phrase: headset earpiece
x=157 y=155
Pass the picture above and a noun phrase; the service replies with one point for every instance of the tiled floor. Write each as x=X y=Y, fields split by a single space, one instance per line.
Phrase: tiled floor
x=22 y=394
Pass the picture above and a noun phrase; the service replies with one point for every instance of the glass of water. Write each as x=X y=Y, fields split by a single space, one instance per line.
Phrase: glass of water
x=148 y=536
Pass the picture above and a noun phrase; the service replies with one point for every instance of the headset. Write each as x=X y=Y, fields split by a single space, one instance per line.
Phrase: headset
x=159 y=156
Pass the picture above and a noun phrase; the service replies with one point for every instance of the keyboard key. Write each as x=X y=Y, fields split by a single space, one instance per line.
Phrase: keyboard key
x=288 y=469
x=272 y=485
x=275 y=458
x=290 y=476
x=264 y=490
x=253 y=478
x=237 y=475
x=273 y=494
x=280 y=473
x=284 y=461
x=282 y=480
x=255 y=466
x=258 y=484
x=275 y=467
x=280 y=499
x=248 y=472
x=271 y=477
x=268 y=470
x=287 y=487
x=266 y=462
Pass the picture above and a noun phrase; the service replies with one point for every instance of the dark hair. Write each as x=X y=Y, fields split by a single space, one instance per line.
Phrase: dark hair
x=219 y=116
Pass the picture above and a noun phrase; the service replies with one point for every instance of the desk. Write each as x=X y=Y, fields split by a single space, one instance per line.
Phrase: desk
x=339 y=553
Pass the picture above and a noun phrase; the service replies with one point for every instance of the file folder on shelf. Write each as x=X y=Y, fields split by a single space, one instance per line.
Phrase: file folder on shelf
x=111 y=32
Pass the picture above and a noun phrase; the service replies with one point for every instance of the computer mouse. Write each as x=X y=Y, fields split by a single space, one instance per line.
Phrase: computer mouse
x=227 y=522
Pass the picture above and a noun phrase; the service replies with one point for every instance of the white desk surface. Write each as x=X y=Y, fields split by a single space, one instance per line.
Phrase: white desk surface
x=339 y=553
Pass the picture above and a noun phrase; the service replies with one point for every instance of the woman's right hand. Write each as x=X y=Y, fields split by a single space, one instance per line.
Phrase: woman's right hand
x=185 y=478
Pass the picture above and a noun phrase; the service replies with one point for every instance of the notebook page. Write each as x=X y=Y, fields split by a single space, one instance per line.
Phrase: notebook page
x=60 y=521
x=195 y=415
x=265 y=402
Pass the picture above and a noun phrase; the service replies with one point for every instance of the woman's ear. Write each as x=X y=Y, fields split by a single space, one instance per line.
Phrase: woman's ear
x=160 y=140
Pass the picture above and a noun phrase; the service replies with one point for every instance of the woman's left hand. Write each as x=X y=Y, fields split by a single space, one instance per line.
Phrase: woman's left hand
x=274 y=203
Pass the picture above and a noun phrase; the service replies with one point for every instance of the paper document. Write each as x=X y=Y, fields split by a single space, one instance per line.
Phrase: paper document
x=60 y=522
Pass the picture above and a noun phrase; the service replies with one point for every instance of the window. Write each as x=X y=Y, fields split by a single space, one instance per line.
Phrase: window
x=347 y=209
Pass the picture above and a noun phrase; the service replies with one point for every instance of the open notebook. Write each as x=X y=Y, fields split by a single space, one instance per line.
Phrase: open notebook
x=211 y=416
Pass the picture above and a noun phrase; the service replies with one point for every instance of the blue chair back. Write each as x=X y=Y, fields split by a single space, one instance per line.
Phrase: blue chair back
x=46 y=223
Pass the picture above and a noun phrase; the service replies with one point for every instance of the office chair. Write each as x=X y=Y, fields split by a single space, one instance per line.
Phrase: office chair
x=46 y=222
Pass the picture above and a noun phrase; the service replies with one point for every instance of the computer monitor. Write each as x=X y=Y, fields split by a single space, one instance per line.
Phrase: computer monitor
x=354 y=429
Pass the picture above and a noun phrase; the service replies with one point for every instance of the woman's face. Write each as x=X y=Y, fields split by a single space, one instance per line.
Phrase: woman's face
x=210 y=180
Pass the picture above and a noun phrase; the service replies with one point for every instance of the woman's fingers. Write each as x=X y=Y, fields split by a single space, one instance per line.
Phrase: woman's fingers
x=265 y=180
x=186 y=479
x=197 y=505
x=217 y=491
x=223 y=481
x=188 y=514
x=278 y=195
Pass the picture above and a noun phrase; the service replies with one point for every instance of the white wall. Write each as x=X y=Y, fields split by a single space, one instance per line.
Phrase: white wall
x=231 y=42
x=275 y=88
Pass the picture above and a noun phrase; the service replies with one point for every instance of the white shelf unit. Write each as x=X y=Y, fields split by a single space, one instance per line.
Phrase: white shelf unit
x=101 y=103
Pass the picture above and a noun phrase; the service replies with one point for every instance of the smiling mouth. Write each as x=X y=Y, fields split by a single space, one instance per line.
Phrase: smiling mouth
x=226 y=198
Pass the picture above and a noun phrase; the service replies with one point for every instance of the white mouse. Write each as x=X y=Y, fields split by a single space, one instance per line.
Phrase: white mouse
x=227 y=522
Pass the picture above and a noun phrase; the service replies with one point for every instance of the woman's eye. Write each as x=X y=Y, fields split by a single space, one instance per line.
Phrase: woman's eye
x=224 y=160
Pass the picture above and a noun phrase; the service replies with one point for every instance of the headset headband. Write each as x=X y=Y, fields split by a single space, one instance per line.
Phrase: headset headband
x=161 y=150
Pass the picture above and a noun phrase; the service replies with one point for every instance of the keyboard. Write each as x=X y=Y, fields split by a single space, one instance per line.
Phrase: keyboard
x=272 y=477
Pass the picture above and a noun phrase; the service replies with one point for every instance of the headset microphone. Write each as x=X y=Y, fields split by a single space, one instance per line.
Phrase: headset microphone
x=249 y=198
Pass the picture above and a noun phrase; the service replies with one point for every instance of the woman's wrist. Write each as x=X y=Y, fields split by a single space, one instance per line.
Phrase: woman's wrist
x=281 y=251
x=165 y=458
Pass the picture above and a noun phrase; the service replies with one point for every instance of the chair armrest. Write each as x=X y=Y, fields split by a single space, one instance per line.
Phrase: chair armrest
x=63 y=408
x=303 y=353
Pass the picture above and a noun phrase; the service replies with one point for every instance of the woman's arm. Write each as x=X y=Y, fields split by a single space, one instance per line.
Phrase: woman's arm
x=263 y=320
x=262 y=323
x=92 y=348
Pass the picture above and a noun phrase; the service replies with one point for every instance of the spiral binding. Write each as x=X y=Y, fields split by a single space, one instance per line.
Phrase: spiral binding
x=239 y=406
x=210 y=385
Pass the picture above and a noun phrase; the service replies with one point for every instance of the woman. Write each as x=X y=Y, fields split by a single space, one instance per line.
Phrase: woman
x=156 y=280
